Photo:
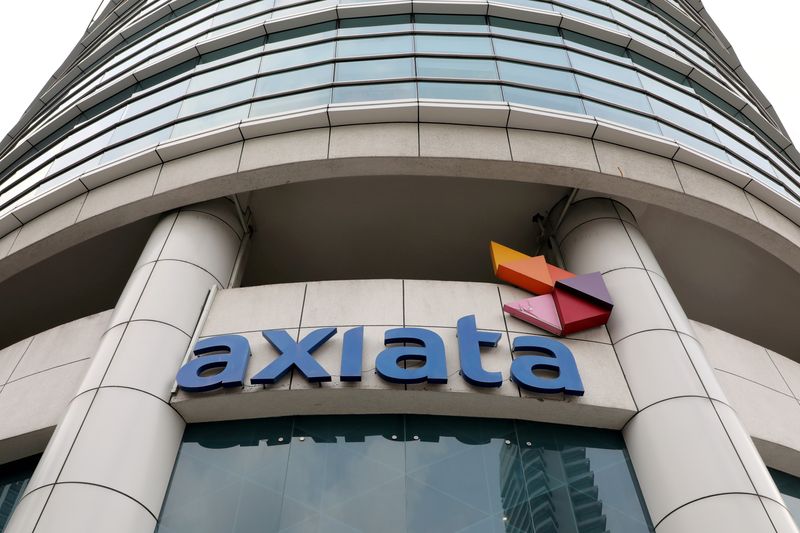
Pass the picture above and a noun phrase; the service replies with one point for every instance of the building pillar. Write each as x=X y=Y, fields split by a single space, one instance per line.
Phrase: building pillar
x=697 y=467
x=108 y=464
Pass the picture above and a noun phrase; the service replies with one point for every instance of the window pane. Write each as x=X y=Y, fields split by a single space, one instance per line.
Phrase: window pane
x=604 y=69
x=230 y=53
x=544 y=99
x=376 y=69
x=156 y=99
x=526 y=30
x=294 y=80
x=531 y=52
x=439 y=67
x=682 y=118
x=245 y=458
x=214 y=120
x=297 y=57
x=613 y=93
x=218 y=98
x=305 y=34
x=14 y=478
x=401 y=474
x=398 y=44
x=539 y=76
x=365 y=25
x=450 y=23
x=284 y=104
x=460 y=91
x=358 y=472
x=136 y=145
x=453 y=44
x=693 y=142
x=227 y=74
x=596 y=46
x=628 y=118
x=380 y=91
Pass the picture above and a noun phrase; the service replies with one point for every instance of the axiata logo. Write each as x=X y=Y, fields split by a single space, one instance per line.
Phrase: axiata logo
x=566 y=303
x=549 y=366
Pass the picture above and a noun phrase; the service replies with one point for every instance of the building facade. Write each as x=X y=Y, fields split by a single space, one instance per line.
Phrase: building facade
x=275 y=198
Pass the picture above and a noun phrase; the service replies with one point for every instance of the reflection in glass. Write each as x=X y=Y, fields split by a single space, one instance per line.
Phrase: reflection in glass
x=375 y=69
x=543 y=99
x=789 y=487
x=292 y=102
x=14 y=478
x=460 y=91
x=453 y=44
x=401 y=474
x=446 y=67
x=294 y=80
x=367 y=93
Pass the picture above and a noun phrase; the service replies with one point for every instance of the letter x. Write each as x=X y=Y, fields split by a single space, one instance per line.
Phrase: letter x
x=295 y=354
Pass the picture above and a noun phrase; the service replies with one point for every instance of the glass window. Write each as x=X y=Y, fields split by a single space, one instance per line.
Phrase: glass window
x=658 y=68
x=451 y=23
x=225 y=117
x=241 y=12
x=371 y=46
x=375 y=69
x=366 y=25
x=136 y=145
x=544 y=99
x=233 y=52
x=156 y=99
x=613 y=93
x=672 y=94
x=218 y=98
x=526 y=30
x=452 y=44
x=445 y=67
x=14 y=478
x=294 y=79
x=147 y=122
x=80 y=152
x=227 y=74
x=537 y=53
x=536 y=4
x=682 y=118
x=596 y=46
x=590 y=6
x=604 y=69
x=304 y=34
x=399 y=474
x=297 y=57
x=627 y=118
x=539 y=76
x=292 y=102
x=378 y=91
x=460 y=91
x=694 y=142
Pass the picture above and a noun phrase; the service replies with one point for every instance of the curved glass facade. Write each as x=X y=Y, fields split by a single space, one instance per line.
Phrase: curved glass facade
x=648 y=84
x=394 y=473
x=14 y=478
x=789 y=487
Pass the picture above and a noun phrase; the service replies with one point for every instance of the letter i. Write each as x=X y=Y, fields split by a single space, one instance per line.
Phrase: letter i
x=352 y=354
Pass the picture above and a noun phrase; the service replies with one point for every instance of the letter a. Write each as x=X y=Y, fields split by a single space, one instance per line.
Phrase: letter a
x=233 y=362
x=556 y=358
x=429 y=351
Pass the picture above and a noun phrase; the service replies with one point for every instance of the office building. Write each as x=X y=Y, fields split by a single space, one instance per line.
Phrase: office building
x=232 y=179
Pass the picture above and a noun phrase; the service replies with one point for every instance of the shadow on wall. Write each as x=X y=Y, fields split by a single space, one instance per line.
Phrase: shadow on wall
x=83 y=280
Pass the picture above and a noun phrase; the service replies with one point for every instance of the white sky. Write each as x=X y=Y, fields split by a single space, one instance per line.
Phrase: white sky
x=765 y=39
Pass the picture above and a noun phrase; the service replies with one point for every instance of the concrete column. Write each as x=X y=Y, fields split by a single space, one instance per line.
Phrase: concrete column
x=108 y=464
x=697 y=466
